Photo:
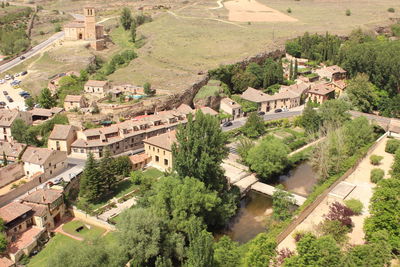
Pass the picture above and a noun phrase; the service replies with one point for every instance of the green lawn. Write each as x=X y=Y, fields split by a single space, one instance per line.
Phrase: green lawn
x=56 y=242
x=153 y=172
x=93 y=232
x=122 y=38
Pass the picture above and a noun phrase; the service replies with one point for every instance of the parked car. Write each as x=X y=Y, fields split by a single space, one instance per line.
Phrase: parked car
x=261 y=113
x=5 y=93
x=2 y=81
x=26 y=96
x=10 y=99
x=22 y=93
x=24 y=73
x=7 y=77
x=16 y=74
x=2 y=103
x=278 y=110
x=58 y=180
x=22 y=57
x=227 y=124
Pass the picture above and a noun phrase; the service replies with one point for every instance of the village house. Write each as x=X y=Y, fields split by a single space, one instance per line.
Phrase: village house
x=339 y=86
x=21 y=233
x=332 y=73
x=43 y=160
x=48 y=206
x=287 y=97
x=86 y=29
x=232 y=108
x=96 y=87
x=42 y=114
x=54 y=81
x=11 y=150
x=61 y=138
x=139 y=161
x=159 y=149
x=7 y=118
x=319 y=93
x=74 y=102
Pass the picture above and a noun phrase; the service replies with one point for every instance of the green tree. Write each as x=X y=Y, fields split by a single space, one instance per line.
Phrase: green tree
x=376 y=253
x=295 y=70
x=105 y=168
x=396 y=165
x=121 y=166
x=91 y=184
x=361 y=93
x=46 y=99
x=310 y=119
x=268 y=158
x=29 y=103
x=133 y=32
x=312 y=251
x=18 y=130
x=147 y=89
x=83 y=76
x=291 y=70
x=241 y=80
x=126 y=18
x=334 y=112
x=140 y=233
x=357 y=133
x=200 y=149
x=261 y=250
x=282 y=204
x=5 y=161
x=254 y=126
x=200 y=251
x=385 y=211
x=335 y=229
x=258 y=72
x=226 y=253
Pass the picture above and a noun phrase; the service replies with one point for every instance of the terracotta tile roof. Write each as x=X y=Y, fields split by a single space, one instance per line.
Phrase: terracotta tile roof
x=39 y=210
x=6 y=262
x=11 y=149
x=25 y=239
x=208 y=110
x=12 y=211
x=75 y=24
x=163 y=141
x=138 y=158
x=254 y=95
x=335 y=69
x=321 y=89
x=185 y=109
x=61 y=132
x=39 y=156
x=73 y=98
x=7 y=116
x=96 y=83
x=230 y=103
x=43 y=196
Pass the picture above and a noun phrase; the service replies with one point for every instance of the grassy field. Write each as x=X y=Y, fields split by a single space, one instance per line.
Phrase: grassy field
x=190 y=37
x=93 y=232
x=55 y=243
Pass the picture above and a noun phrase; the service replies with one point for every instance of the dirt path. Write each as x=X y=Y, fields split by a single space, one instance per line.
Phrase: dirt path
x=188 y=17
x=363 y=191
x=219 y=3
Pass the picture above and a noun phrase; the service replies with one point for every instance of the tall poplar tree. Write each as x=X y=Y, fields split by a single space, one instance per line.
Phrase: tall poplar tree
x=296 y=69
x=91 y=186
x=106 y=171
x=126 y=18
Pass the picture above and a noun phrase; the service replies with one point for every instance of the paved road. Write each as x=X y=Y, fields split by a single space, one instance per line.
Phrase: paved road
x=32 y=52
x=267 y=117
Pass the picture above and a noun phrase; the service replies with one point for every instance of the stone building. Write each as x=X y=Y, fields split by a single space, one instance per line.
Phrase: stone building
x=7 y=118
x=74 y=102
x=319 y=93
x=230 y=107
x=96 y=87
x=159 y=149
x=43 y=160
x=61 y=138
x=86 y=29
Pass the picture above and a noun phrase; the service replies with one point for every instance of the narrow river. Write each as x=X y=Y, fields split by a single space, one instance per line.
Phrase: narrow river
x=255 y=208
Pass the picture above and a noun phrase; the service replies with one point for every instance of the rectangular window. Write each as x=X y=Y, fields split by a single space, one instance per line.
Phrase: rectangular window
x=165 y=162
x=157 y=159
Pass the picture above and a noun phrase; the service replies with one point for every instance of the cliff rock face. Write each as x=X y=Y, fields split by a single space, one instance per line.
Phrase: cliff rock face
x=185 y=97
x=209 y=101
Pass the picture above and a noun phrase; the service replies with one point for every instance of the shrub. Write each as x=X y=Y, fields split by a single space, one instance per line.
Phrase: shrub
x=348 y=12
x=336 y=229
x=375 y=159
x=289 y=10
x=377 y=175
x=392 y=145
x=341 y=213
x=391 y=10
x=355 y=205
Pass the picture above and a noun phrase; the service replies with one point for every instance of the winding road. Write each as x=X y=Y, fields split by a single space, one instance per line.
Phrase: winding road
x=31 y=52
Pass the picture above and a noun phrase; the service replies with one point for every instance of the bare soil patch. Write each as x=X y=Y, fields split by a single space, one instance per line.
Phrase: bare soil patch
x=253 y=11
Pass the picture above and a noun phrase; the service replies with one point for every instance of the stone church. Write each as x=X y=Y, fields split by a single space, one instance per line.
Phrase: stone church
x=86 y=30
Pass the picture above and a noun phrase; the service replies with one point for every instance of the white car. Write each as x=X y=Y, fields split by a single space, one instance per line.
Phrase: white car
x=16 y=74
x=2 y=81
x=7 y=77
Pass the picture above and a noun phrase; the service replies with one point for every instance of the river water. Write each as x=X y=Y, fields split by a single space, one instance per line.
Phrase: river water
x=255 y=208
